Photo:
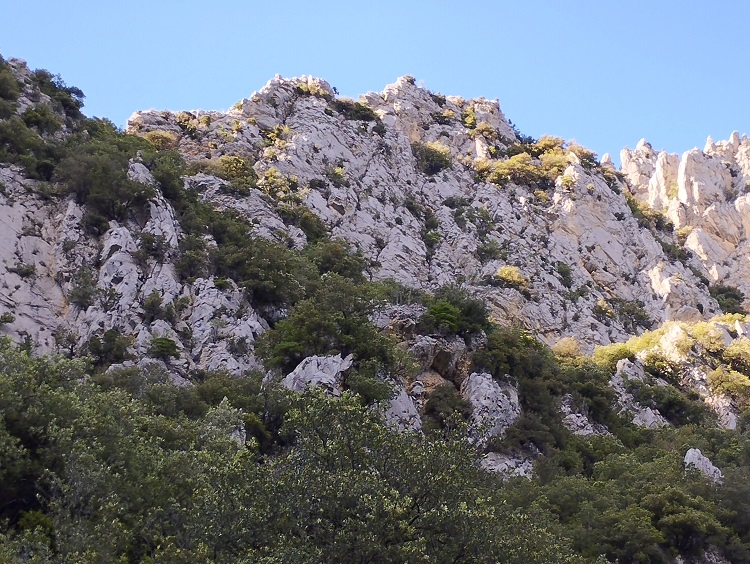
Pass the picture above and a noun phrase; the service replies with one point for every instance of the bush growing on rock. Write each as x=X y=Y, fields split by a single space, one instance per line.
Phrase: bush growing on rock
x=110 y=347
x=444 y=408
x=161 y=140
x=518 y=169
x=42 y=118
x=83 y=291
x=431 y=157
x=511 y=277
x=452 y=310
x=10 y=89
x=731 y=383
x=68 y=99
x=354 y=110
x=334 y=320
x=163 y=348
x=301 y=216
x=729 y=298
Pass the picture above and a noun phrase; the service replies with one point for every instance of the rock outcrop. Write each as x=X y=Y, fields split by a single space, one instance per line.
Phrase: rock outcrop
x=704 y=194
x=695 y=459
x=410 y=179
x=495 y=406
x=322 y=371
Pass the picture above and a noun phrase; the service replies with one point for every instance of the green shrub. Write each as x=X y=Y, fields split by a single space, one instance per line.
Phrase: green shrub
x=354 y=110
x=632 y=314
x=364 y=382
x=587 y=157
x=452 y=310
x=194 y=260
x=23 y=146
x=469 y=118
x=431 y=157
x=489 y=250
x=279 y=187
x=518 y=169
x=42 y=118
x=513 y=352
x=442 y=316
x=737 y=355
x=152 y=306
x=336 y=176
x=731 y=383
x=443 y=404
x=109 y=348
x=24 y=270
x=83 y=291
x=608 y=355
x=6 y=318
x=565 y=272
x=238 y=171
x=445 y=117
x=301 y=216
x=337 y=256
x=334 y=320
x=161 y=140
x=163 y=348
x=431 y=240
x=96 y=172
x=153 y=246
x=729 y=298
x=678 y=407
x=68 y=98
x=10 y=89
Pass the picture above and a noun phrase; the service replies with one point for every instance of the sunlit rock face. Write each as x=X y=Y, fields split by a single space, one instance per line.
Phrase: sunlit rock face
x=705 y=195
x=589 y=267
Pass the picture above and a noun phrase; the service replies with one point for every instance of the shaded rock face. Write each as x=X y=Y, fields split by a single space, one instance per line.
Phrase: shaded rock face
x=495 y=405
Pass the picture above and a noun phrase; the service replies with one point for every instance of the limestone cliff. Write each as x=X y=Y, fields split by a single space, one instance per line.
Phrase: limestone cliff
x=422 y=185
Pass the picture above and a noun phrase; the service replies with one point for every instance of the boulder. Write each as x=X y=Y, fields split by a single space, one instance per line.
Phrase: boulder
x=323 y=371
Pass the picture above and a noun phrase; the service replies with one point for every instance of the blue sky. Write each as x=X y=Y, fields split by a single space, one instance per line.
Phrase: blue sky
x=604 y=73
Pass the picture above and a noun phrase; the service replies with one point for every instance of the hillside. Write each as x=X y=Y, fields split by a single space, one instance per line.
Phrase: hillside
x=510 y=318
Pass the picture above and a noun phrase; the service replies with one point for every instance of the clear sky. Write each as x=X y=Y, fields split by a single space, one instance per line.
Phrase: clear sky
x=604 y=73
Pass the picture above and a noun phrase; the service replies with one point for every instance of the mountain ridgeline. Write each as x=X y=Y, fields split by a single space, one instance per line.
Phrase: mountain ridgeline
x=314 y=329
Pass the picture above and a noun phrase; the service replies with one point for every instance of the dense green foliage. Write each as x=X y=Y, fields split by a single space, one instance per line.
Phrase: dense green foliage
x=126 y=467
x=729 y=298
x=451 y=310
x=626 y=496
x=354 y=110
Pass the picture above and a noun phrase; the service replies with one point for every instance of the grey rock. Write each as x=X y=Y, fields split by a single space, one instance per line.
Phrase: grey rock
x=495 y=406
x=402 y=413
x=694 y=458
x=323 y=371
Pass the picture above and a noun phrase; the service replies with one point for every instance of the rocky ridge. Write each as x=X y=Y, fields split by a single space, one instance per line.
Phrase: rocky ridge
x=399 y=175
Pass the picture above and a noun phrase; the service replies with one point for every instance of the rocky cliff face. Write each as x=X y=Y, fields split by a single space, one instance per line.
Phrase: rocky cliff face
x=704 y=194
x=415 y=181
x=583 y=257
